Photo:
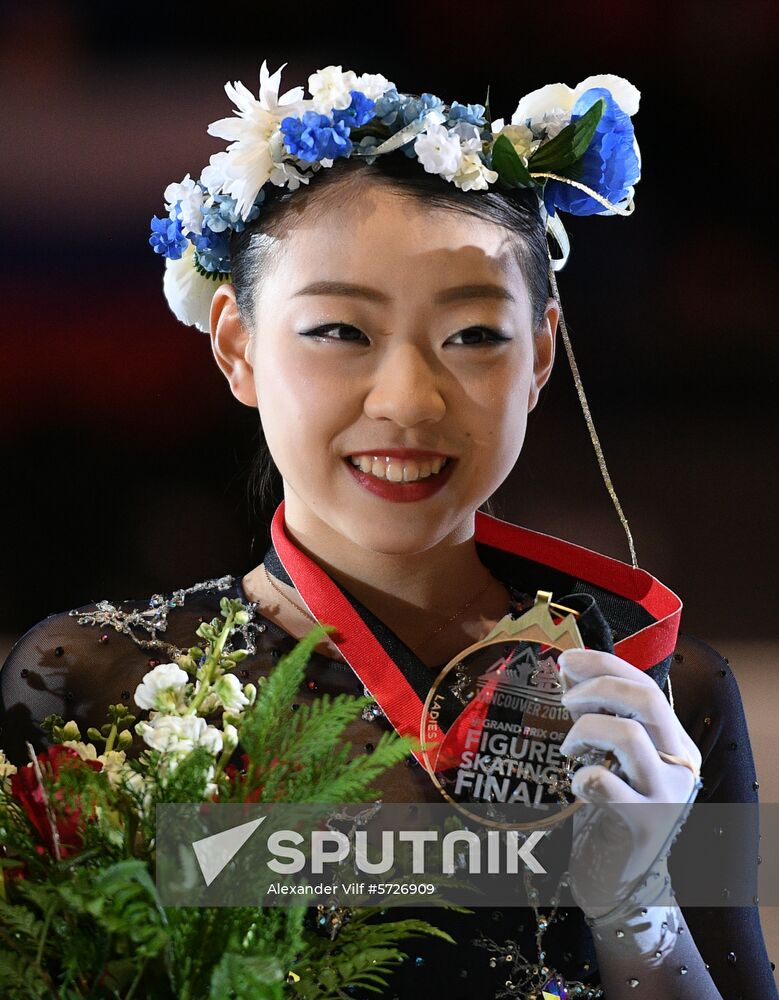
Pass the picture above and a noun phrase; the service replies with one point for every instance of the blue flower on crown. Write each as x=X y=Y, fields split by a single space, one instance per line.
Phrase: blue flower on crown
x=315 y=137
x=223 y=215
x=167 y=238
x=397 y=109
x=417 y=107
x=609 y=166
x=360 y=111
x=388 y=106
x=213 y=250
x=471 y=113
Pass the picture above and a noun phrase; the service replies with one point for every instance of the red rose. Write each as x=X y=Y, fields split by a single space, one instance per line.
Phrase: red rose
x=67 y=815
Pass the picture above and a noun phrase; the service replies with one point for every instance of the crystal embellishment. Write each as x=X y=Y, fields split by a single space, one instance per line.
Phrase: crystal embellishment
x=554 y=989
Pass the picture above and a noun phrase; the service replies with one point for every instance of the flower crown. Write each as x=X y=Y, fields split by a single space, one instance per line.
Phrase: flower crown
x=574 y=147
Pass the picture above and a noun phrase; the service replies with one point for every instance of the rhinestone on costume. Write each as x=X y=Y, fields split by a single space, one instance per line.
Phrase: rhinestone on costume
x=312 y=685
x=24 y=672
x=554 y=989
x=154 y=663
x=755 y=785
x=103 y=637
x=59 y=651
x=732 y=957
x=619 y=934
x=683 y=970
x=632 y=983
x=371 y=712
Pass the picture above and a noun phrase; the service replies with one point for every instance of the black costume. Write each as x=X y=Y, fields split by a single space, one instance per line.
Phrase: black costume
x=77 y=663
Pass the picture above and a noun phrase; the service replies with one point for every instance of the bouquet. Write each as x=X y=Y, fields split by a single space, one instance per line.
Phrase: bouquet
x=80 y=915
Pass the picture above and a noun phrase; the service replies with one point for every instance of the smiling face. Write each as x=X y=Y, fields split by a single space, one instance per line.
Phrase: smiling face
x=384 y=326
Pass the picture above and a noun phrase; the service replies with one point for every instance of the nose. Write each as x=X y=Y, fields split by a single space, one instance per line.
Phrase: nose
x=405 y=389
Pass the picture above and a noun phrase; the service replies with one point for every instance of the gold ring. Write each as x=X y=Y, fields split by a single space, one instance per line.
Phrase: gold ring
x=671 y=758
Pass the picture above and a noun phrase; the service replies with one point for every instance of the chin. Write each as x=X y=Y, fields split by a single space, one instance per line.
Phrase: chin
x=407 y=536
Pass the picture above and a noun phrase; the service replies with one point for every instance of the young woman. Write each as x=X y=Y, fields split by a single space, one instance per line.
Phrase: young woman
x=391 y=319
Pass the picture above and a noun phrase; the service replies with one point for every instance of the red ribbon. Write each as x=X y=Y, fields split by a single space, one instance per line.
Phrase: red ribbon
x=381 y=675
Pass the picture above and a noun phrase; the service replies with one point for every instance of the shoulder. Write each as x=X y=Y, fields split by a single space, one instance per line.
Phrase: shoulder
x=75 y=663
x=708 y=702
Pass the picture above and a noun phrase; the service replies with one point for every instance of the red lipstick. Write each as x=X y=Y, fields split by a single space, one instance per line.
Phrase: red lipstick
x=421 y=489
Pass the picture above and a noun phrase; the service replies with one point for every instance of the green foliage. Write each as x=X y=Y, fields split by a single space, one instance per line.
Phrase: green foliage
x=363 y=955
x=569 y=145
x=90 y=926
x=507 y=162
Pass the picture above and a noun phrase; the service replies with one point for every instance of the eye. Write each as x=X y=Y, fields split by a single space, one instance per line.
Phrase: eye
x=320 y=332
x=490 y=337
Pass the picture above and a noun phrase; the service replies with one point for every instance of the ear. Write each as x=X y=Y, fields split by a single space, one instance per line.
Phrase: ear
x=543 y=351
x=231 y=344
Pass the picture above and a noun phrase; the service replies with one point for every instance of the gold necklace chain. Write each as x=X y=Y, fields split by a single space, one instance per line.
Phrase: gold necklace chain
x=424 y=641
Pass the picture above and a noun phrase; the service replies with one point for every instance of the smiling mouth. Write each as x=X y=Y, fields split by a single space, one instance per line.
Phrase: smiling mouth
x=396 y=470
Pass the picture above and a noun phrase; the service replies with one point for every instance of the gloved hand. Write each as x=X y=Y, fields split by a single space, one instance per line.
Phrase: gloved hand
x=644 y=800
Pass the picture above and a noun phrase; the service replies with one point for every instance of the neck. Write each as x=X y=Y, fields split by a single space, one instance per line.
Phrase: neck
x=414 y=593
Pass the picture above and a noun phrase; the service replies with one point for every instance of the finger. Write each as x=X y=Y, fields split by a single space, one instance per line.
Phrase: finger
x=629 y=699
x=626 y=738
x=580 y=664
x=600 y=786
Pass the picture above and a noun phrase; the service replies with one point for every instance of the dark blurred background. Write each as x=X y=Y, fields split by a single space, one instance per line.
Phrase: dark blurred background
x=125 y=456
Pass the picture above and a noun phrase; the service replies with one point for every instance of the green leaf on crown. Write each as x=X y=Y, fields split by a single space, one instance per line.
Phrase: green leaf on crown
x=569 y=145
x=508 y=164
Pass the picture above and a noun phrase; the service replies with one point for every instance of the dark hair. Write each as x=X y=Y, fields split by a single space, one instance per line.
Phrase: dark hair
x=517 y=210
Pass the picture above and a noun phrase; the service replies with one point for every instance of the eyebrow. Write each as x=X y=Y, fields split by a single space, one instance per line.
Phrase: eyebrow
x=477 y=291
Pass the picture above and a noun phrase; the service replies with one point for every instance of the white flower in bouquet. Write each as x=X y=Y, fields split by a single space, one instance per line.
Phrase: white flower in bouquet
x=228 y=690
x=7 y=769
x=179 y=734
x=162 y=688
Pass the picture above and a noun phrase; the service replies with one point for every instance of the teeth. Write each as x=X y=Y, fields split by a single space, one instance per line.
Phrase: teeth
x=396 y=470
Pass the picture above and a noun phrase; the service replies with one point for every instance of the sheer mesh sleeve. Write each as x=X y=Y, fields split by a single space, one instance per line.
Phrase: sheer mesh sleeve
x=72 y=670
x=708 y=702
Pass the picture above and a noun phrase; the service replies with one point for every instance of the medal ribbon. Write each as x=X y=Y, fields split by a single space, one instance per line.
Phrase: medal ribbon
x=380 y=673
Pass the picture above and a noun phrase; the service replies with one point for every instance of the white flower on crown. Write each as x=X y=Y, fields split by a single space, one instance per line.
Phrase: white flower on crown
x=555 y=101
x=330 y=88
x=162 y=688
x=188 y=292
x=191 y=209
x=520 y=137
x=284 y=172
x=373 y=85
x=473 y=175
x=439 y=150
x=214 y=175
x=179 y=734
x=248 y=162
